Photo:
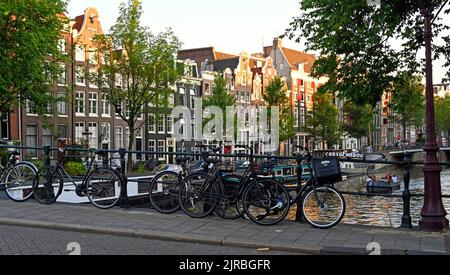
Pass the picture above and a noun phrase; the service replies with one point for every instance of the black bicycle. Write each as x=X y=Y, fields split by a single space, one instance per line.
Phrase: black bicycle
x=101 y=185
x=261 y=199
x=17 y=178
x=321 y=204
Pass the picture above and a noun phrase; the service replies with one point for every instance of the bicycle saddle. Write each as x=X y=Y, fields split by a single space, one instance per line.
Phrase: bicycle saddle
x=15 y=153
x=182 y=159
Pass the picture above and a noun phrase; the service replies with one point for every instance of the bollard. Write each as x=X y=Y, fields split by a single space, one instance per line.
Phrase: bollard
x=124 y=203
x=299 y=214
x=406 y=219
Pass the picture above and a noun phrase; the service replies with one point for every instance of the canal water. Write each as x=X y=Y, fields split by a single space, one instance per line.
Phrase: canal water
x=381 y=211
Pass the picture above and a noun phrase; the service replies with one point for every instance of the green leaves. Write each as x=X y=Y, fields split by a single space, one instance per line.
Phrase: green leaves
x=29 y=34
x=357 y=43
x=322 y=121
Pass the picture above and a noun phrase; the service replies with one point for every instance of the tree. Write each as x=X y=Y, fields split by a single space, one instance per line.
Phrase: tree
x=276 y=96
x=358 y=119
x=322 y=121
x=442 y=109
x=220 y=97
x=144 y=61
x=353 y=39
x=29 y=34
x=408 y=101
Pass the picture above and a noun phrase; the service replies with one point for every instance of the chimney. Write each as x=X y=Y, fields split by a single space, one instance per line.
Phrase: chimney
x=278 y=42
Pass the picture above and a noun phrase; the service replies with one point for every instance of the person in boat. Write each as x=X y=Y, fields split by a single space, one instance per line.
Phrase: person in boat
x=395 y=179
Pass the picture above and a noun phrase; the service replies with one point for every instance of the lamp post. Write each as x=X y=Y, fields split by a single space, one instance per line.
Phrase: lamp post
x=433 y=212
x=87 y=138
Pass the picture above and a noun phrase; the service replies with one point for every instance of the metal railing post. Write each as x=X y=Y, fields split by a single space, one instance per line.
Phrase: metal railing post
x=299 y=214
x=124 y=202
x=48 y=187
x=406 y=219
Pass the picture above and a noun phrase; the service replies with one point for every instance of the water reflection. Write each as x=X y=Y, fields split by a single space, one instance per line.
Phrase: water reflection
x=380 y=211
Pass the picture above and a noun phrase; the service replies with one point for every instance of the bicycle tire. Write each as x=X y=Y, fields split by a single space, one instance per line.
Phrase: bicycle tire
x=226 y=209
x=193 y=192
x=103 y=188
x=266 y=197
x=165 y=201
x=43 y=193
x=13 y=192
x=306 y=208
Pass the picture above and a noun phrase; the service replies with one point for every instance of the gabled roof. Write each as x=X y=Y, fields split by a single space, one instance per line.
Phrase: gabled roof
x=295 y=57
x=201 y=54
x=78 y=22
x=222 y=65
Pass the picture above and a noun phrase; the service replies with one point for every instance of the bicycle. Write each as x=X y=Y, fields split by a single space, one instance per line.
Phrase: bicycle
x=101 y=185
x=17 y=178
x=201 y=193
x=164 y=187
x=321 y=204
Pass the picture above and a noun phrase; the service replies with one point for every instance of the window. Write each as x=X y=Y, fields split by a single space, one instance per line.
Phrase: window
x=93 y=104
x=152 y=146
x=80 y=53
x=80 y=75
x=93 y=57
x=118 y=81
x=30 y=108
x=47 y=137
x=119 y=138
x=207 y=89
x=161 y=124
x=93 y=75
x=243 y=97
x=183 y=97
x=32 y=140
x=248 y=97
x=106 y=110
x=79 y=130
x=62 y=45
x=93 y=129
x=127 y=136
x=62 y=75
x=161 y=149
x=302 y=117
x=244 y=80
x=61 y=105
x=62 y=131
x=169 y=124
x=296 y=118
x=192 y=98
x=105 y=132
x=80 y=104
x=151 y=123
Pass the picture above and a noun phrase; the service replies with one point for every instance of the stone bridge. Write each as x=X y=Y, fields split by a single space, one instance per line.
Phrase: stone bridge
x=419 y=154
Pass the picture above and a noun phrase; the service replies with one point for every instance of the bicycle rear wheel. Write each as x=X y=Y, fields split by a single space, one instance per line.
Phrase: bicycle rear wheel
x=266 y=202
x=195 y=196
x=19 y=181
x=46 y=190
x=103 y=188
x=323 y=207
x=163 y=192
x=231 y=207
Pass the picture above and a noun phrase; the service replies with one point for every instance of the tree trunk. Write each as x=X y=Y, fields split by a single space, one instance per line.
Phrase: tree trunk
x=130 y=147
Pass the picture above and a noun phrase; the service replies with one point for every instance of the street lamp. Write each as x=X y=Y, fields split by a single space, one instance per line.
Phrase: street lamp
x=433 y=212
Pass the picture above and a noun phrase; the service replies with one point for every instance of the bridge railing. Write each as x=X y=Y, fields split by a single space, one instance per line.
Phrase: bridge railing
x=405 y=165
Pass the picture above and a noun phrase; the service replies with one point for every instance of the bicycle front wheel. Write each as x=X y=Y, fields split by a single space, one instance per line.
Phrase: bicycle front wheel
x=266 y=202
x=103 y=188
x=323 y=207
x=164 y=192
x=48 y=185
x=19 y=181
x=196 y=195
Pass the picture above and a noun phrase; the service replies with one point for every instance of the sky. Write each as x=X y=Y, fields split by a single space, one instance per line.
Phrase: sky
x=230 y=26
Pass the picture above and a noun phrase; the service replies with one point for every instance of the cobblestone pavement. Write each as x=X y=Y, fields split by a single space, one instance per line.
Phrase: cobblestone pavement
x=287 y=236
x=18 y=240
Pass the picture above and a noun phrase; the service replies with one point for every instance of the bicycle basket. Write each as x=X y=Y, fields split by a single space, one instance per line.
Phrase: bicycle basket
x=327 y=171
